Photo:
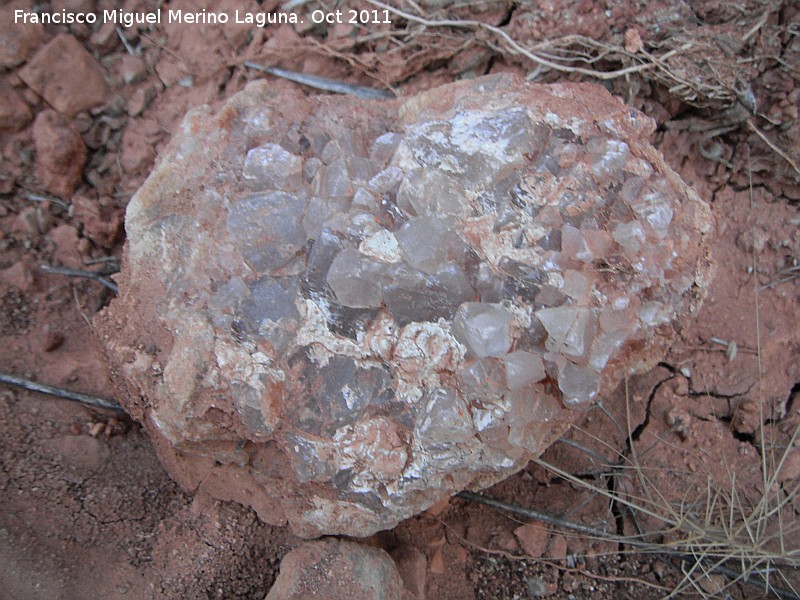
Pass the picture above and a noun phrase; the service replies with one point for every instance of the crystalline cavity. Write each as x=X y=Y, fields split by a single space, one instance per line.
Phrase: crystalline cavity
x=363 y=307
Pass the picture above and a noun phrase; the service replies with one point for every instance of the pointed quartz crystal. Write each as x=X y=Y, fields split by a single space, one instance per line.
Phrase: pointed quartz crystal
x=485 y=329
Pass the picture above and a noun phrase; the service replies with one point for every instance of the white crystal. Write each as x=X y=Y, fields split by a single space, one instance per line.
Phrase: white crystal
x=381 y=246
x=485 y=329
x=523 y=369
x=271 y=167
x=578 y=384
x=355 y=279
x=567 y=329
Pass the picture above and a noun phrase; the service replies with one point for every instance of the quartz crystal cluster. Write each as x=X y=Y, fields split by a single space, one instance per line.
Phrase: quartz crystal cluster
x=341 y=311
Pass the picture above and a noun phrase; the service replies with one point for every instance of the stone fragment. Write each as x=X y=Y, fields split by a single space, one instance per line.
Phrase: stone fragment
x=66 y=76
x=140 y=100
x=790 y=469
x=60 y=154
x=337 y=570
x=557 y=548
x=100 y=224
x=17 y=40
x=14 y=112
x=533 y=538
x=413 y=568
x=131 y=69
x=363 y=307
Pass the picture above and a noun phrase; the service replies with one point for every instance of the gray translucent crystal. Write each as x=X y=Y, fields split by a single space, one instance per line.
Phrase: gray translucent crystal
x=270 y=300
x=248 y=403
x=324 y=249
x=336 y=180
x=483 y=379
x=523 y=369
x=579 y=384
x=431 y=193
x=385 y=180
x=384 y=146
x=485 y=329
x=569 y=329
x=311 y=458
x=412 y=295
x=653 y=208
x=444 y=419
x=362 y=307
x=608 y=157
x=356 y=280
x=257 y=222
x=270 y=166
x=428 y=243
x=630 y=236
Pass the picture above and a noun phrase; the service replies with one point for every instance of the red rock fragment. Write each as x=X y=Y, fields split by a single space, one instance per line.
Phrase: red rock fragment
x=66 y=76
x=413 y=568
x=60 y=154
x=100 y=224
x=533 y=538
x=337 y=570
x=14 y=111
x=17 y=40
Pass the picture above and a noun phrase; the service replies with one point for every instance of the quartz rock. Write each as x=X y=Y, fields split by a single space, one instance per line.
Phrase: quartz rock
x=349 y=310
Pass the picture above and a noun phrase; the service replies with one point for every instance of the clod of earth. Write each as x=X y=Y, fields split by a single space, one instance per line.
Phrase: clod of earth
x=340 y=311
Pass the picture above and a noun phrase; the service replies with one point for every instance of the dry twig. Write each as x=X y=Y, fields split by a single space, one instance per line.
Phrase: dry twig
x=98 y=277
x=324 y=83
x=86 y=399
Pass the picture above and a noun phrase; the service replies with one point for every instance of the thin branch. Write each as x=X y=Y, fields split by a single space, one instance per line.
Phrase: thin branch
x=98 y=277
x=551 y=519
x=50 y=390
x=131 y=50
x=717 y=566
x=769 y=143
x=42 y=198
x=324 y=83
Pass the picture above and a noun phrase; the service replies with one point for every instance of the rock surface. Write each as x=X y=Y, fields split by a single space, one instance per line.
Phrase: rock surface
x=337 y=570
x=16 y=42
x=14 y=112
x=66 y=76
x=60 y=154
x=339 y=312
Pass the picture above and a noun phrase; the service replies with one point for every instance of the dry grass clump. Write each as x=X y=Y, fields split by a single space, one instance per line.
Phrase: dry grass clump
x=718 y=535
x=702 y=64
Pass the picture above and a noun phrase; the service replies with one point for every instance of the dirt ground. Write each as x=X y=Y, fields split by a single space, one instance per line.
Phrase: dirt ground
x=88 y=512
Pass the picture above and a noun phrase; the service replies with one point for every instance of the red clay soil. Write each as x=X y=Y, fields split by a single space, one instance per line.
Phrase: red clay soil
x=87 y=510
